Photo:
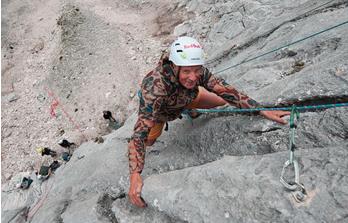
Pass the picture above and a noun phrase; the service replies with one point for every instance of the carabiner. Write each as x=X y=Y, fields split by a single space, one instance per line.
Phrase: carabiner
x=291 y=185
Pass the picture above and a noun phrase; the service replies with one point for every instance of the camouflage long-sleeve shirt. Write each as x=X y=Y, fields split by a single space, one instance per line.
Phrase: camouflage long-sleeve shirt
x=163 y=99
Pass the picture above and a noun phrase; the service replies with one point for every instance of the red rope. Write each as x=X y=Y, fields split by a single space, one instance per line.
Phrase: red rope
x=37 y=206
x=54 y=106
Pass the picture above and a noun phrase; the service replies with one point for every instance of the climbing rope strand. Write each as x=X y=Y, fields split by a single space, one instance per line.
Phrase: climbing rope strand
x=287 y=45
x=55 y=104
x=319 y=6
x=300 y=108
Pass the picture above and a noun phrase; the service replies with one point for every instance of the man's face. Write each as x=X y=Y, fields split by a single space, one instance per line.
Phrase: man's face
x=189 y=76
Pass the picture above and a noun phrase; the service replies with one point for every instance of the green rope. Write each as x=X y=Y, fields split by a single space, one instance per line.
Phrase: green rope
x=297 y=41
x=299 y=108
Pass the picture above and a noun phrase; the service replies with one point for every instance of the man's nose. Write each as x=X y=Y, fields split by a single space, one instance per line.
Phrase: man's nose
x=193 y=77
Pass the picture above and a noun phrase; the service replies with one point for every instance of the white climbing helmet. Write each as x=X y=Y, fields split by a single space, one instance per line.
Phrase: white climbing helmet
x=186 y=51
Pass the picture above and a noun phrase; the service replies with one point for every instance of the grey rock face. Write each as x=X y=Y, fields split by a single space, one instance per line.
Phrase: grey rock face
x=213 y=136
x=223 y=167
x=246 y=29
x=246 y=189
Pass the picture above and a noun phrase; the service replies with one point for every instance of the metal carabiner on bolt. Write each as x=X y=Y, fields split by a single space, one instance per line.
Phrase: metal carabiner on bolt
x=298 y=189
x=291 y=185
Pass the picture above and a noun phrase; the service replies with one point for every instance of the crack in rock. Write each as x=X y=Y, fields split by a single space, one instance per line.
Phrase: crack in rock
x=104 y=206
x=311 y=101
x=259 y=132
x=59 y=218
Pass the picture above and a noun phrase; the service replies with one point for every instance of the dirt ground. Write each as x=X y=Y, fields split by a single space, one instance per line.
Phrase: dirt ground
x=64 y=62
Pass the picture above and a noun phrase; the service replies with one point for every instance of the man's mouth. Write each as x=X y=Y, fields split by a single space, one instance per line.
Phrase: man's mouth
x=191 y=83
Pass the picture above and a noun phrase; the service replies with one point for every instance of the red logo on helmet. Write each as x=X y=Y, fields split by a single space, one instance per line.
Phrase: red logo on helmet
x=192 y=46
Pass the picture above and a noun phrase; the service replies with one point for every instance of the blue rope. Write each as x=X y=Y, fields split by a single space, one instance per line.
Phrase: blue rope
x=297 y=41
x=300 y=108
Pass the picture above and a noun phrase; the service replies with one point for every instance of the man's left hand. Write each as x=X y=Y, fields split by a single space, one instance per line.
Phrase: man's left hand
x=275 y=116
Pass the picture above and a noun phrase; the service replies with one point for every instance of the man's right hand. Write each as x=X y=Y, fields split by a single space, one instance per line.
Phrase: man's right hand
x=134 y=194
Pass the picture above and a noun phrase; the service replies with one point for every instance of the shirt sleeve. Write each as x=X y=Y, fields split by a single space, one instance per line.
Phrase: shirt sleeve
x=152 y=99
x=226 y=91
x=136 y=148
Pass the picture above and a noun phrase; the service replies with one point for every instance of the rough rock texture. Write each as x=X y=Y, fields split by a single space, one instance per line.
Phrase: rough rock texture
x=91 y=55
x=239 y=30
x=221 y=167
x=226 y=190
x=247 y=189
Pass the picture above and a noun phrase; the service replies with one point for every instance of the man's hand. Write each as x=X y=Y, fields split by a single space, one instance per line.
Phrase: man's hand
x=275 y=116
x=134 y=194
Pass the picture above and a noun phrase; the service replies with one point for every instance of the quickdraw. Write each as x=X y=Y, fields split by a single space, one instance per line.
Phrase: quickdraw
x=299 y=192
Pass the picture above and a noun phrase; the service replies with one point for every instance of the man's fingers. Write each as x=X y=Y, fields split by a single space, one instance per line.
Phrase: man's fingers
x=131 y=198
x=284 y=113
x=276 y=116
x=137 y=200
x=279 y=120
x=145 y=204
x=134 y=201
x=281 y=113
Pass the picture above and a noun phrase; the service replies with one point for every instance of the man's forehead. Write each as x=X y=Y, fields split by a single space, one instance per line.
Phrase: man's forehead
x=191 y=67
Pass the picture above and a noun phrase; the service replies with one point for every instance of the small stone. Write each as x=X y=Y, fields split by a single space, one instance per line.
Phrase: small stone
x=60 y=132
x=99 y=139
x=8 y=176
x=7 y=134
x=38 y=47
x=148 y=60
x=291 y=53
x=227 y=215
x=11 y=97
x=132 y=94
x=299 y=63
x=155 y=152
x=339 y=72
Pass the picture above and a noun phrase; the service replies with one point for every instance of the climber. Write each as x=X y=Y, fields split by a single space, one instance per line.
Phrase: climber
x=179 y=82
